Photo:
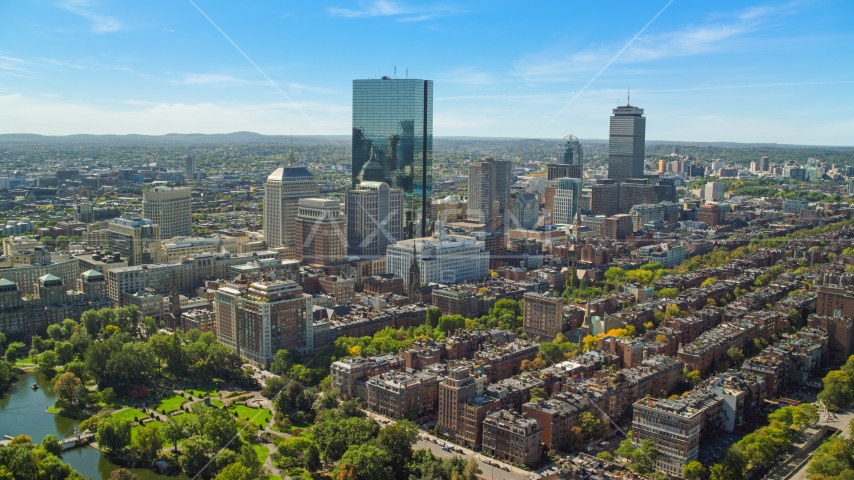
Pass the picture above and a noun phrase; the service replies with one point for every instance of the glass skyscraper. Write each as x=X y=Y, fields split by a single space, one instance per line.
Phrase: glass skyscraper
x=393 y=142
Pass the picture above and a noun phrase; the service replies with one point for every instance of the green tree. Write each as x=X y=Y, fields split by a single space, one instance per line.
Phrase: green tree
x=450 y=323
x=235 y=471
x=113 y=434
x=65 y=351
x=48 y=361
x=312 y=459
x=12 y=351
x=591 y=426
x=54 y=331
x=694 y=470
x=364 y=462
x=334 y=435
x=615 y=275
x=736 y=356
x=147 y=443
x=667 y=293
x=197 y=452
x=731 y=466
x=51 y=445
x=433 y=314
x=605 y=456
x=219 y=427
x=173 y=432
x=282 y=362
x=397 y=439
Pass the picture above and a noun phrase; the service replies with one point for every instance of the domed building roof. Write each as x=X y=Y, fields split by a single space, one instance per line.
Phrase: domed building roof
x=372 y=171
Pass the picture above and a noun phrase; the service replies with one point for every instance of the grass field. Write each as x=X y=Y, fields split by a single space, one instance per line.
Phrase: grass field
x=262 y=452
x=216 y=403
x=262 y=419
x=171 y=403
x=202 y=393
x=129 y=414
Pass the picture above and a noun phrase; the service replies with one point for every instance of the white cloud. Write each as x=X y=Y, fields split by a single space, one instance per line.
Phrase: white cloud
x=309 y=88
x=388 y=8
x=721 y=32
x=84 y=8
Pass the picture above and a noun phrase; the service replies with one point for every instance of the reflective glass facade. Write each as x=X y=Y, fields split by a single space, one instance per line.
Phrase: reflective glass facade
x=393 y=142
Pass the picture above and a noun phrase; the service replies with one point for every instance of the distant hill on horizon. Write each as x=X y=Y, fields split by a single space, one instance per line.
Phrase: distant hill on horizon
x=251 y=137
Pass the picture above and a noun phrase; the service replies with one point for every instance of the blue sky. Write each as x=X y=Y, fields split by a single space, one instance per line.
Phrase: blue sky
x=703 y=71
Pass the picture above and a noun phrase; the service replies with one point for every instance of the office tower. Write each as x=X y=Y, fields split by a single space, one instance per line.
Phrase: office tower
x=626 y=143
x=284 y=187
x=393 y=142
x=320 y=237
x=190 y=167
x=604 y=197
x=135 y=238
x=171 y=209
x=263 y=318
x=489 y=191
x=715 y=191
x=635 y=191
x=84 y=212
x=526 y=211
x=567 y=196
x=662 y=166
x=570 y=151
x=556 y=171
x=763 y=164
x=374 y=218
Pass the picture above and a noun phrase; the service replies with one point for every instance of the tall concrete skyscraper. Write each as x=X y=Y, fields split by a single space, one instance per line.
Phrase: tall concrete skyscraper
x=569 y=151
x=190 y=167
x=374 y=218
x=171 y=208
x=393 y=142
x=626 y=143
x=284 y=187
x=320 y=236
x=489 y=191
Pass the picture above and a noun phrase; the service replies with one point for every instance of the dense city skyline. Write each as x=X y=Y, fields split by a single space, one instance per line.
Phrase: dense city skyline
x=759 y=72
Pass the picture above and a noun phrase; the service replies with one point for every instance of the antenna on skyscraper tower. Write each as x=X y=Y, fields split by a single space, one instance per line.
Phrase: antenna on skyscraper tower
x=395 y=72
x=629 y=98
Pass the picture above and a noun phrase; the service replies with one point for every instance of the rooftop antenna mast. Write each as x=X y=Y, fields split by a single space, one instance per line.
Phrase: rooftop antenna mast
x=395 y=72
x=407 y=72
x=629 y=97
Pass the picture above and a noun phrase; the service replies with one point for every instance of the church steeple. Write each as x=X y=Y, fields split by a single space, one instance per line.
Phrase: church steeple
x=414 y=287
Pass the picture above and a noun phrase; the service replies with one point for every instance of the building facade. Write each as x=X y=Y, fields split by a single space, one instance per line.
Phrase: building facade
x=320 y=235
x=626 y=143
x=374 y=218
x=393 y=129
x=137 y=239
x=566 y=200
x=282 y=192
x=489 y=191
x=171 y=209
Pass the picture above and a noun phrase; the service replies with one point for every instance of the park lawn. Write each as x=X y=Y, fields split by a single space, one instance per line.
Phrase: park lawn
x=129 y=414
x=54 y=410
x=262 y=418
x=171 y=403
x=202 y=393
x=216 y=403
x=25 y=360
x=262 y=452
